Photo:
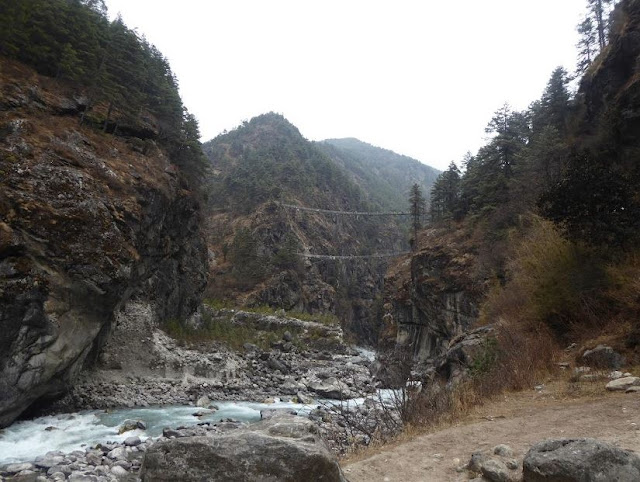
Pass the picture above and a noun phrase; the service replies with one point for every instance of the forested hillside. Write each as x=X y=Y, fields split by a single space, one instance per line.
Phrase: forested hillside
x=547 y=214
x=261 y=244
x=384 y=176
x=127 y=86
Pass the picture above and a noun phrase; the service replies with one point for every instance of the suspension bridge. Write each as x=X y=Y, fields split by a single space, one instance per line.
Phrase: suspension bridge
x=357 y=214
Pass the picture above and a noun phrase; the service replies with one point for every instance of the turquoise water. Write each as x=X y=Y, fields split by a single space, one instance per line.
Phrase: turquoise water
x=25 y=440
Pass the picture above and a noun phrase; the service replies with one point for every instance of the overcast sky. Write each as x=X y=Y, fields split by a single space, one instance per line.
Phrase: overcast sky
x=418 y=77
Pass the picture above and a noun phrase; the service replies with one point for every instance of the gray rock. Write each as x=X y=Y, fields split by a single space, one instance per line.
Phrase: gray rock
x=49 y=460
x=503 y=450
x=622 y=384
x=78 y=477
x=272 y=450
x=15 y=468
x=132 y=441
x=119 y=471
x=330 y=388
x=287 y=336
x=496 y=471
x=276 y=412
x=129 y=425
x=118 y=453
x=579 y=460
x=203 y=402
x=603 y=356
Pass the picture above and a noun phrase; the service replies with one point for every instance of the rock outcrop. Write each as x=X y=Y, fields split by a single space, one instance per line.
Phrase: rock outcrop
x=87 y=222
x=431 y=297
x=579 y=460
x=277 y=449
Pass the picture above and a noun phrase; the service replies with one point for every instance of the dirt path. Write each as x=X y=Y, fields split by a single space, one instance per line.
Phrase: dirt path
x=519 y=420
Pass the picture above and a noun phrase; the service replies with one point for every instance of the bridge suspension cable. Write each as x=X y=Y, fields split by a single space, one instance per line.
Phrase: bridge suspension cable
x=343 y=213
x=355 y=256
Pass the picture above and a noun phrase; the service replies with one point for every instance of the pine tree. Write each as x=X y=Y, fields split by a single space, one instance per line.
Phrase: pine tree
x=599 y=10
x=554 y=105
x=445 y=194
x=417 y=206
x=587 y=45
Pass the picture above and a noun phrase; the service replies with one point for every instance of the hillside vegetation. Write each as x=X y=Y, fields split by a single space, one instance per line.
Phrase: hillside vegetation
x=123 y=84
x=551 y=205
x=384 y=176
x=266 y=163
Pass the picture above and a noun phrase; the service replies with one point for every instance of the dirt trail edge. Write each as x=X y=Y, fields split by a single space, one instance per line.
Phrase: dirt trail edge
x=518 y=422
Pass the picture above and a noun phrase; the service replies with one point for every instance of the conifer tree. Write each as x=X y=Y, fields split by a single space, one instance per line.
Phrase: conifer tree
x=445 y=194
x=417 y=206
x=587 y=45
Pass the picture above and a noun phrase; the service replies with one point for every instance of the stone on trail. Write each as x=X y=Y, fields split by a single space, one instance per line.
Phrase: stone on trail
x=622 y=384
x=579 y=460
x=279 y=449
x=503 y=450
x=496 y=471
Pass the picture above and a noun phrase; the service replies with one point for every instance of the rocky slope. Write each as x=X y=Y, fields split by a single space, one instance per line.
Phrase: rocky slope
x=141 y=365
x=88 y=222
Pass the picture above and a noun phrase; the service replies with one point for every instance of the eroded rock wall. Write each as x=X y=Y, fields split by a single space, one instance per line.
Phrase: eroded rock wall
x=87 y=222
x=431 y=297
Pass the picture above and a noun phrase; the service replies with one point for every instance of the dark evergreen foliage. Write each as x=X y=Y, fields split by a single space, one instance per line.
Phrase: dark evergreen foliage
x=267 y=159
x=73 y=41
x=445 y=194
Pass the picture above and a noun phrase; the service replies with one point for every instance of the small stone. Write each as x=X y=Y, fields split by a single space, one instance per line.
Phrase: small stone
x=132 y=441
x=496 y=471
x=118 y=453
x=512 y=464
x=503 y=450
x=15 y=468
x=203 y=402
x=119 y=471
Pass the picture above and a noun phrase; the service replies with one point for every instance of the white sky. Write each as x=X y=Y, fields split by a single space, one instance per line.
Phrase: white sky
x=420 y=77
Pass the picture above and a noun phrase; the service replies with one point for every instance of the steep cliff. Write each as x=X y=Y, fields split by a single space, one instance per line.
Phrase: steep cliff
x=432 y=296
x=88 y=221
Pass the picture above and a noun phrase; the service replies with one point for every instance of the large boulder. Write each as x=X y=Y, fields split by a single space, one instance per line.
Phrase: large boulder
x=278 y=449
x=603 y=356
x=579 y=460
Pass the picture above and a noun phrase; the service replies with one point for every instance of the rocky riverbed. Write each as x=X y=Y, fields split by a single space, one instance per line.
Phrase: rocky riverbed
x=142 y=366
x=305 y=368
x=119 y=454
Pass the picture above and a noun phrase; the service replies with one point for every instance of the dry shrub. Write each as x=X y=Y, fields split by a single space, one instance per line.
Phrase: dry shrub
x=624 y=282
x=551 y=281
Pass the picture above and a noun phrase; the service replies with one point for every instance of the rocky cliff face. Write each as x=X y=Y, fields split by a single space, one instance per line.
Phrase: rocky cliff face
x=87 y=222
x=431 y=297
